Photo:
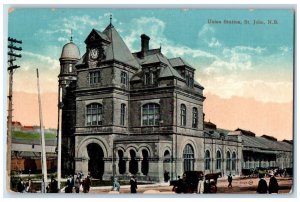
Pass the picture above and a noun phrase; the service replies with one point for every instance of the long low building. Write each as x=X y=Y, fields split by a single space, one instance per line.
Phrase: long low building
x=26 y=149
x=261 y=152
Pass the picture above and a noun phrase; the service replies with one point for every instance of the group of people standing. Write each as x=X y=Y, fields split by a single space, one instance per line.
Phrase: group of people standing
x=25 y=187
x=78 y=184
x=263 y=187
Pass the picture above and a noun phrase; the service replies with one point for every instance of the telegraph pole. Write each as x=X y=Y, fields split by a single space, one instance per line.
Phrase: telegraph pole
x=44 y=160
x=12 y=56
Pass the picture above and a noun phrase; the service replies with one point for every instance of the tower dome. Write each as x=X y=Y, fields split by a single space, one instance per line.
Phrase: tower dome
x=70 y=52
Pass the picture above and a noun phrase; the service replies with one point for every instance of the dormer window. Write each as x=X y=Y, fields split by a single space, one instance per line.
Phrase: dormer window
x=189 y=79
x=147 y=78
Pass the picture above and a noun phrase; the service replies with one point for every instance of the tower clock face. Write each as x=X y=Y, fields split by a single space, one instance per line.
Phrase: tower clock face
x=94 y=53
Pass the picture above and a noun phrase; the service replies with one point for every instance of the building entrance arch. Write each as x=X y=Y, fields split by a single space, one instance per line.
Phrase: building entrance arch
x=96 y=162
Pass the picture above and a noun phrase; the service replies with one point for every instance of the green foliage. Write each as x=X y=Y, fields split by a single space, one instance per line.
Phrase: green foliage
x=31 y=136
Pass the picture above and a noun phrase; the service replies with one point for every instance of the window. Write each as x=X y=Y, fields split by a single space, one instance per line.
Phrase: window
x=124 y=78
x=183 y=115
x=233 y=167
x=219 y=160
x=150 y=114
x=189 y=79
x=123 y=111
x=94 y=113
x=188 y=158
x=195 y=118
x=147 y=78
x=228 y=161
x=207 y=160
x=94 y=77
x=70 y=68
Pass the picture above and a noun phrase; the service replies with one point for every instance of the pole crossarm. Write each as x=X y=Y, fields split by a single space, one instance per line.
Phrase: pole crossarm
x=11 y=66
x=14 y=40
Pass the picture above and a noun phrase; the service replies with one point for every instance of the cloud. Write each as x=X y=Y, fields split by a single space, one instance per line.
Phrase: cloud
x=214 y=43
x=154 y=28
x=50 y=62
x=206 y=30
x=228 y=86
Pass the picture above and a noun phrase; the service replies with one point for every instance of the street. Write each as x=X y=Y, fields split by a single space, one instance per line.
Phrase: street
x=240 y=186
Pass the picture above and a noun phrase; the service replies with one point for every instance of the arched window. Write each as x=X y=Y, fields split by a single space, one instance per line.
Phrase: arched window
x=123 y=111
x=133 y=163
x=145 y=162
x=188 y=158
x=228 y=161
x=219 y=160
x=195 y=118
x=150 y=114
x=233 y=167
x=207 y=160
x=183 y=114
x=94 y=114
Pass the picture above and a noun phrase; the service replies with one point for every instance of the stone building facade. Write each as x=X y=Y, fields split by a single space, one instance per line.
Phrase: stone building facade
x=136 y=114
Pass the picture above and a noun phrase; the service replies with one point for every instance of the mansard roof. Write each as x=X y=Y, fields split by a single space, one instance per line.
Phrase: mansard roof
x=178 y=62
x=155 y=56
x=117 y=49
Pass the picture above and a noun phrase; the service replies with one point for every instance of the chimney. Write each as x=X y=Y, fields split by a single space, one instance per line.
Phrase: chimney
x=144 y=43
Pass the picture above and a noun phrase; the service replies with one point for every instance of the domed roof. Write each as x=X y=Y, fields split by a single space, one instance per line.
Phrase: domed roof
x=70 y=51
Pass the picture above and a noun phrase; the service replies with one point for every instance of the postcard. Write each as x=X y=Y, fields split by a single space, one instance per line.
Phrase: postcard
x=150 y=101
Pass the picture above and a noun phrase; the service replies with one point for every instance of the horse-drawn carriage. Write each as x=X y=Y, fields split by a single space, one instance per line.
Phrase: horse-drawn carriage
x=189 y=182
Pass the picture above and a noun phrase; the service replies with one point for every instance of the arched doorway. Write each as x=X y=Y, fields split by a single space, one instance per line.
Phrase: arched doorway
x=96 y=162
x=145 y=162
x=167 y=160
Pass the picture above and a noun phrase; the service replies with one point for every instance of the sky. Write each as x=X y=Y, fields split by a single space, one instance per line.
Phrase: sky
x=248 y=61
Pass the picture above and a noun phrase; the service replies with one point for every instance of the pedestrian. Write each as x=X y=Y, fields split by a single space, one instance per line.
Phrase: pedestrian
x=273 y=185
x=116 y=185
x=28 y=186
x=200 y=186
x=229 y=180
x=77 y=184
x=166 y=176
x=53 y=185
x=20 y=186
x=86 y=184
x=262 y=187
x=70 y=184
x=133 y=184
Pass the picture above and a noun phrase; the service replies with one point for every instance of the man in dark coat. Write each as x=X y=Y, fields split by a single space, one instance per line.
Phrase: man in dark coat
x=262 y=187
x=53 y=185
x=273 y=185
x=21 y=186
x=133 y=185
x=86 y=184
x=229 y=180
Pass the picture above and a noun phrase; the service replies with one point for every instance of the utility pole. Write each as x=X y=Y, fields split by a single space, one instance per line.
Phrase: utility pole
x=59 y=128
x=44 y=161
x=11 y=67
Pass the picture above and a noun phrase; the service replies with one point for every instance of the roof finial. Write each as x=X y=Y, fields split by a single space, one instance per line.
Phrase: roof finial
x=71 y=39
x=110 y=19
